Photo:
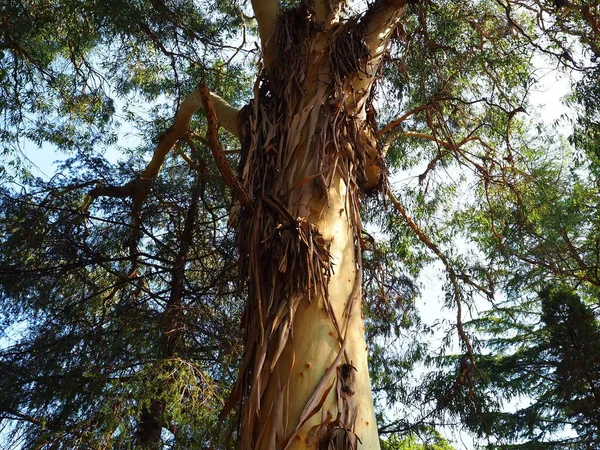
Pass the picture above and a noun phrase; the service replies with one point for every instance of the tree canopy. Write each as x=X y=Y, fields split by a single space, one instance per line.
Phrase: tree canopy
x=123 y=286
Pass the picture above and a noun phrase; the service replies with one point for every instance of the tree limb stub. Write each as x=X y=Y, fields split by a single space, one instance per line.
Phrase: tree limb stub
x=229 y=176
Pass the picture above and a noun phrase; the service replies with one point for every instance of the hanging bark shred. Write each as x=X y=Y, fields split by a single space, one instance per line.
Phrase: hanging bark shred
x=338 y=433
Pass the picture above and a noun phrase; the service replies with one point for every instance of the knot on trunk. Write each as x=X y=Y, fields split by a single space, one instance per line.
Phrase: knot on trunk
x=347 y=380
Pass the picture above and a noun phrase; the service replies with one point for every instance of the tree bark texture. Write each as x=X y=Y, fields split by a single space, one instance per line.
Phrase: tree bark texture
x=309 y=151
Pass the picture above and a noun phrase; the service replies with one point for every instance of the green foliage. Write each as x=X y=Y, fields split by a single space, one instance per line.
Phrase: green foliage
x=391 y=316
x=88 y=353
x=429 y=439
x=538 y=372
x=558 y=359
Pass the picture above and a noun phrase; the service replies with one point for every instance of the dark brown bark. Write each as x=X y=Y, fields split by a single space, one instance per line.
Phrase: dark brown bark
x=150 y=426
x=151 y=420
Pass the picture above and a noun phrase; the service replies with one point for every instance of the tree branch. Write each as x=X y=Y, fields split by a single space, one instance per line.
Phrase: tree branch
x=226 y=114
x=238 y=191
x=139 y=188
x=452 y=275
x=379 y=23
x=265 y=12
x=395 y=123
x=11 y=414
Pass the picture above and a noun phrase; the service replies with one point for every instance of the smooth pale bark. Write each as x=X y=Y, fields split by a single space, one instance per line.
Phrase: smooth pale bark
x=318 y=345
x=265 y=12
x=315 y=343
x=226 y=114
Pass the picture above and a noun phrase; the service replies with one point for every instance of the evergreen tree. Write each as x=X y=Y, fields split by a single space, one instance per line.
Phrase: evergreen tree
x=542 y=374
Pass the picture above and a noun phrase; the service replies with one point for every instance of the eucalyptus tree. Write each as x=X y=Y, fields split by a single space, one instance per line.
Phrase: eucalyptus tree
x=121 y=275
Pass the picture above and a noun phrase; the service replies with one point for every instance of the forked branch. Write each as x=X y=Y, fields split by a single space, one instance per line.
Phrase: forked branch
x=139 y=188
x=227 y=117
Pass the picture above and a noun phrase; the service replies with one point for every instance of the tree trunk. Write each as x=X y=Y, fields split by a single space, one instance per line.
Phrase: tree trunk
x=150 y=426
x=308 y=153
x=313 y=361
x=151 y=421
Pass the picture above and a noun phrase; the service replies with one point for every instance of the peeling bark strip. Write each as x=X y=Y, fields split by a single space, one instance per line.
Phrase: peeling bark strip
x=217 y=150
x=309 y=151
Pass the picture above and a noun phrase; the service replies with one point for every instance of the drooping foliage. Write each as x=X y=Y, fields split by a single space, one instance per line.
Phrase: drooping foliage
x=428 y=439
x=89 y=346
x=120 y=296
x=547 y=369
